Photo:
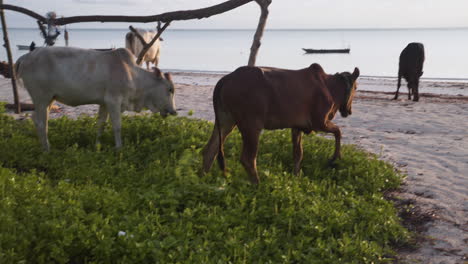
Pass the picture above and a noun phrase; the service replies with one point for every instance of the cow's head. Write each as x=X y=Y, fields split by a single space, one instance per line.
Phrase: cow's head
x=348 y=80
x=160 y=97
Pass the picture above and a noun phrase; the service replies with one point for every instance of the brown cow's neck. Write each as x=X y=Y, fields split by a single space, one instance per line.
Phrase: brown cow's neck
x=337 y=95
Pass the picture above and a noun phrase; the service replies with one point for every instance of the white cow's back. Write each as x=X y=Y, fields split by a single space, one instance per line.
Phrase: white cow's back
x=84 y=75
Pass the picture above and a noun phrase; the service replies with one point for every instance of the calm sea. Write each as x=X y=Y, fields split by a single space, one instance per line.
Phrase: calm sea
x=375 y=52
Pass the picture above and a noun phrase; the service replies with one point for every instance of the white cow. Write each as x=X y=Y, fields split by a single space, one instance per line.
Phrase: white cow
x=133 y=43
x=76 y=76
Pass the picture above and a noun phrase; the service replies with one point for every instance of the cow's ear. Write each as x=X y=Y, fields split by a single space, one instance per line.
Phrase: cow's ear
x=355 y=73
x=157 y=72
x=168 y=76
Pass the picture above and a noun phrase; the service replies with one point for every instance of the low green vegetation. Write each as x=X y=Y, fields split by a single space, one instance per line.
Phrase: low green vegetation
x=149 y=203
x=2 y=107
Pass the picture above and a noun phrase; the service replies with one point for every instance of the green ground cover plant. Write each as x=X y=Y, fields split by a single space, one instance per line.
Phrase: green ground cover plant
x=149 y=203
x=2 y=107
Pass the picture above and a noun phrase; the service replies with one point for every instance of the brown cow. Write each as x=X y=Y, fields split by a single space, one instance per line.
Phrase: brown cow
x=255 y=98
x=411 y=68
x=5 y=69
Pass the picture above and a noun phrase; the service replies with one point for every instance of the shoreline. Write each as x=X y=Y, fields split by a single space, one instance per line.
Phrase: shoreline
x=428 y=87
x=426 y=79
x=426 y=140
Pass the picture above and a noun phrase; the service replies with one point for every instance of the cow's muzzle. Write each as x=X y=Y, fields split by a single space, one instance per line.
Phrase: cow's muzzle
x=345 y=113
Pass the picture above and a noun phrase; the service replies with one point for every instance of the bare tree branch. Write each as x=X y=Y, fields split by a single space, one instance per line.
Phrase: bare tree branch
x=148 y=46
x=24 y=11
x=165 y=17
x=159 y=29
x=143 y=41
x=42 y=29
x=159 y=26
x=259 y=33
x=10 y=61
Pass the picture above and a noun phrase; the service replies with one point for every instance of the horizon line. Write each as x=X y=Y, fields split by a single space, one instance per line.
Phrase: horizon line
x=275 y=29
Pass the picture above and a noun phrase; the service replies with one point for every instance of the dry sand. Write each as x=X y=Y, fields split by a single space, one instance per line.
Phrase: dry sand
x=427 y=140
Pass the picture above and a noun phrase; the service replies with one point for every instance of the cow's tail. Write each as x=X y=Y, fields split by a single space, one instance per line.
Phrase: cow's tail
x=216 y=106
x=18 y=68
x=398 y=85
x=18 y=72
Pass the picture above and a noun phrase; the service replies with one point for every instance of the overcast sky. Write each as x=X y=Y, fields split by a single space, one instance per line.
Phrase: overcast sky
x=303 y=14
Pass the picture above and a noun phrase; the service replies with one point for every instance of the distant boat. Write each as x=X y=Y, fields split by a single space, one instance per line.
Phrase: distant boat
x=327 y=50
x=26 y=47
x=30 y=47
x=23 y=47
x=105 y=49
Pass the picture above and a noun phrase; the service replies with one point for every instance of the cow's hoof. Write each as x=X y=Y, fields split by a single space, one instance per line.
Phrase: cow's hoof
x=201 y=173
x=255 y=180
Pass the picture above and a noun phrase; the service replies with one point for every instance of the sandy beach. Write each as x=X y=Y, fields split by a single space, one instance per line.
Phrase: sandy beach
x=427 y=140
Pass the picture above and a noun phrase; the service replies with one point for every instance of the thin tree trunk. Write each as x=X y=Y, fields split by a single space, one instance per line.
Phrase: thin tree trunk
x=10 y=61
x=259 y=33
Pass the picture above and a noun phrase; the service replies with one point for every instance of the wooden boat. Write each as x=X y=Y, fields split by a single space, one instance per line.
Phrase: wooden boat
x=31 y=46
x=23 y=47
x=105 y=49
x=26 y=47
x=321 y=51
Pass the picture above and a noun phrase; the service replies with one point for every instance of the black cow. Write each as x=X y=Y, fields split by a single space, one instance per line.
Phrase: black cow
x=411 y=68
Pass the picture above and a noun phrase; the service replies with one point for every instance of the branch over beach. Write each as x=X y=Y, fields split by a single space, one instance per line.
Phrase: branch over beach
x=165 y=17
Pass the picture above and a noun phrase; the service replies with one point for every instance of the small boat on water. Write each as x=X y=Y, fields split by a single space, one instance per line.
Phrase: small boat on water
x=23 y=47
x=31 y=46
x=321 y=51
x=105 y=49
x=26 y=47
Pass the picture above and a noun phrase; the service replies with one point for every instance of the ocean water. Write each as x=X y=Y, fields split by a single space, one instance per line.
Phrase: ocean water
x=375 y=52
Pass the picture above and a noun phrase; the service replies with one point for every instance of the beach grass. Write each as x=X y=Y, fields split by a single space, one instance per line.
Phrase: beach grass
x=149 y=202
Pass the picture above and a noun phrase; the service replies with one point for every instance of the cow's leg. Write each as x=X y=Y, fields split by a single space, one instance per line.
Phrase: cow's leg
x=156 y=59
x=147 y=65
x=409 y=92
x=330 y=127
x=250 y=138
x=297 y=149
x=102 y=118
x=398 y=86
x=40 y=118
x=416 y=93
x=116 y=120
x=213 y=148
